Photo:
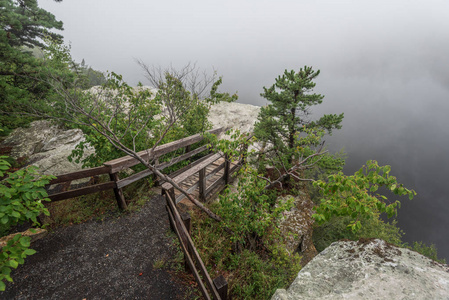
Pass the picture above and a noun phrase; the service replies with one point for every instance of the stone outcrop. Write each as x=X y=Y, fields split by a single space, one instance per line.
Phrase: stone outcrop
x=46 y=146
x=296 y=227
x=234 y=115
x=368 y=269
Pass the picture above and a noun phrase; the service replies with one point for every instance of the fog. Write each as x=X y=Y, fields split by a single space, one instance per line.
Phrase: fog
x=383 y=63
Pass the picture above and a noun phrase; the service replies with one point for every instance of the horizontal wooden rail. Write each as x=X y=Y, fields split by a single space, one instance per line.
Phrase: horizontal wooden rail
x=126 y=181
x=122 y=163
x=192 y=170
x=83 y=191
x=80 y=174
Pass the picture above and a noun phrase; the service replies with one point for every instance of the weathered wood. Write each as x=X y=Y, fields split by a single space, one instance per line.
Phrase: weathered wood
x=186 y=220
x=192 y=249
x=118 y=192
x=183 y=169
x=227 y=171
x=197 y=183
x=190 y=262
x=82 y=191
x=183 y=176
x=122 y=163
x=133 y=178
x=222 y=287
x=213 y=186
x=80 y=174
x=202 y=182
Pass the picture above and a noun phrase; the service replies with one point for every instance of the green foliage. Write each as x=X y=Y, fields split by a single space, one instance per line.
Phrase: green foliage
x=24 y=26
x=336 y=229
x=21 y=196
x=280 y=123
x=120 y=105
x=12 y=255
x=355 y=195
x=428 y=251
x=250 y=212
x=250 y=274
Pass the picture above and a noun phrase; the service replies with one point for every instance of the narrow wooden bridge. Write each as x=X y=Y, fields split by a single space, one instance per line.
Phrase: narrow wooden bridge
x=204 y=176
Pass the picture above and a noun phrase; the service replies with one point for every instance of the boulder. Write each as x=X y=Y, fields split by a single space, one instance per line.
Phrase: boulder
x=234 y=115
x=368 y=269
x=46 y=146
x=297 y=227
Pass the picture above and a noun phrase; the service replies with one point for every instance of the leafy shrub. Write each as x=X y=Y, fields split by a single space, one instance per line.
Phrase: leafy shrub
x=21 y=196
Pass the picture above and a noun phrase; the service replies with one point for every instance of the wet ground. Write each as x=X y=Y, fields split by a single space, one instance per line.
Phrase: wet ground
x=121 y=258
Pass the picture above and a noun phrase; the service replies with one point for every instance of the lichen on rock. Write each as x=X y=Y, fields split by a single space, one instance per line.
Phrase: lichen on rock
x=46 y=146
x=368 y=269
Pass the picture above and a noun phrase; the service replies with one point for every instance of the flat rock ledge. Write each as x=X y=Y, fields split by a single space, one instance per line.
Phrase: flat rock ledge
x=368 y=269
x=46 y=146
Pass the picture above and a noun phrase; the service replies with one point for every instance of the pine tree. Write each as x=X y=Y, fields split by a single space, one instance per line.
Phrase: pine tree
x=23 y=26
x=288 y=114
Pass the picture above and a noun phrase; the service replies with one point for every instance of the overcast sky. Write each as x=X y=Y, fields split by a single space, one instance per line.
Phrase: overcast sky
x=383 y=63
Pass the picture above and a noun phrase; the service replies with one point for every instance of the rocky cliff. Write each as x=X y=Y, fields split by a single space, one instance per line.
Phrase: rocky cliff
x=368 y=269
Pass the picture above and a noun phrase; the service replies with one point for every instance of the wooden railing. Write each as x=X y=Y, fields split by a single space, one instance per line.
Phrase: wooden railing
x=210 y=289
x=115 y=166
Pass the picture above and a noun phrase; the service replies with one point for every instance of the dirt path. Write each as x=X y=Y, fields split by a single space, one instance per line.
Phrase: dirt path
x=123 y=258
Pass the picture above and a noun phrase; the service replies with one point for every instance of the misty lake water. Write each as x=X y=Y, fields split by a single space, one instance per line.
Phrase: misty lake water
x=404 y=124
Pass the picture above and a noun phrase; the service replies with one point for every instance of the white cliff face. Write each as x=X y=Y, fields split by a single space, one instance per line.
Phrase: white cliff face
x=46 y=146
x=368 y=269
x=234 y=115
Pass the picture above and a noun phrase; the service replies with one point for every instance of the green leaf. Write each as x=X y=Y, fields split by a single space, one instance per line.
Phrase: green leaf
x=29 y=251
x=13 y=263
x=4 y=220
x=2 y=286
x=25 y=241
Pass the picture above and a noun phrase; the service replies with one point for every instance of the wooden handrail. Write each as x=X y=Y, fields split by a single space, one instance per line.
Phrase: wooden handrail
x=122 y=163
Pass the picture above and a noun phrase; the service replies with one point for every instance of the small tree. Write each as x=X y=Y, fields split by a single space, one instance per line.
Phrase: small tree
x=291 y=97
x=355 y=196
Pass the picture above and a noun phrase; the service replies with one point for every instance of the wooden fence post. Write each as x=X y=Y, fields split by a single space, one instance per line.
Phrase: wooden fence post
x=221 y=285
x=118 y=192
x=186 y=220
x=227 y=170
x=202 y=182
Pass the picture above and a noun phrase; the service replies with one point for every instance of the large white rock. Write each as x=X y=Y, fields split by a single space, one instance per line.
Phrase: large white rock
x=368 y=269
x=234 y=115
x=46 y=146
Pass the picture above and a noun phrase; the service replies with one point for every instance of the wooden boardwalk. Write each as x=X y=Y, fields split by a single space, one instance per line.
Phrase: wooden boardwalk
x=214 y=178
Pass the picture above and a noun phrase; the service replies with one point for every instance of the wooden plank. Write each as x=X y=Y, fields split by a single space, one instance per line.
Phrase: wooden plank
x=202 y=181
x=197 y=183
x=191 y=248
x=183 y=176
x=218 y=182
x=183 y=169
x=82 y=191
x=189 y=259
x=227 y=171
x=122 y=163
x=80 y=174
x=128 y=180
x=222 y=287
x=121 y=202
